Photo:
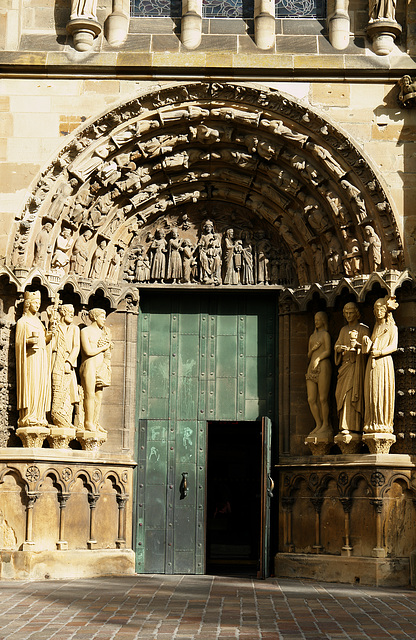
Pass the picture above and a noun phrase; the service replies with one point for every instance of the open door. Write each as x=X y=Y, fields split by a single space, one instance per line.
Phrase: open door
x=267 y=486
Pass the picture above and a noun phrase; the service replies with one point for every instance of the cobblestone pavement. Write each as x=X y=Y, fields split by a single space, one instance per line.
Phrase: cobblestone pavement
x=203 y=607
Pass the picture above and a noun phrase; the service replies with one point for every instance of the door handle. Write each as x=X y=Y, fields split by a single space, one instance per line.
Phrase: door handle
x=184 y=486
x=270 y=486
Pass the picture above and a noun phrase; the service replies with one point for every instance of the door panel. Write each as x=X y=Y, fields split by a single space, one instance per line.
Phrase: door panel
x=201 y=357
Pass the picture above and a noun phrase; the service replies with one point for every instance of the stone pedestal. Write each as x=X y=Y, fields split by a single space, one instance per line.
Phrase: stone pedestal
x=60 y=437
x=383 y=34
x=379 y=442
x=348 y=442
x=83 y=32
x=319 y=445
x=91 y=440
x=32 y=437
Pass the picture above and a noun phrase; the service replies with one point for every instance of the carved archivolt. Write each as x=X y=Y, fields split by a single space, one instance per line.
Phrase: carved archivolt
x=288 y=198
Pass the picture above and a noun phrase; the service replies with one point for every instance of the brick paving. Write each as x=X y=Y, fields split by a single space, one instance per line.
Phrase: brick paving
x=203 y=607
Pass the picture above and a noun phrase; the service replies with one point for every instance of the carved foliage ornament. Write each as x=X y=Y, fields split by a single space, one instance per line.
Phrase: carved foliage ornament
x=155 y=163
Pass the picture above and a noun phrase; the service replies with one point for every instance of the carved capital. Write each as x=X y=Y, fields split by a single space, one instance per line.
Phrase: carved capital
x=317 y=502
x=93 y=499
x=288 y=502
x=377 y=503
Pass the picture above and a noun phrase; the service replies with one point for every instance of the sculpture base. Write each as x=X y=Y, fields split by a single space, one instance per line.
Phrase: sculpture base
x=348 y=442
x=91 y=440
x=83 y=31
x=379 y=442
x=32 y=437
x=64 y=565
x=383 y=34
x=60 y=437
x=319 y=445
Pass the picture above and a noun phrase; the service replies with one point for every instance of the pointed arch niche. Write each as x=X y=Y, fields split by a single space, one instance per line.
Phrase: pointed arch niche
x=295 y=190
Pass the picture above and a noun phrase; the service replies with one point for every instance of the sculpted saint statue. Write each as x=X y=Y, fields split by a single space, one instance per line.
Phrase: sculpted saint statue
x=318 y=376
x=62 y=246
x=382 y=10
x=32 y=365
x=349 y=393
x=95 y=369
x=65 y=349
x=209 y=255
x=84 y=9
x=79 y=256
x=42 y=245
x=379 y=382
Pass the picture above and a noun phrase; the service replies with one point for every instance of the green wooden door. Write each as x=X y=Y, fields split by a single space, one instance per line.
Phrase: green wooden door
x=201 y=357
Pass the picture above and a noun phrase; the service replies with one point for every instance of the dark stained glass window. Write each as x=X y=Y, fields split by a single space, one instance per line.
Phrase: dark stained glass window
x=228 y=8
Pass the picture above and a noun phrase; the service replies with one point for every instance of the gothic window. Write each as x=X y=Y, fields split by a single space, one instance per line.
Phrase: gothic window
x=228 y=8
x=300 y=8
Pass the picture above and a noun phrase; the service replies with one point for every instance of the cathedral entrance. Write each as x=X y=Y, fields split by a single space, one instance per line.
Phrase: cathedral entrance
x=237 y=534
x=205 y=360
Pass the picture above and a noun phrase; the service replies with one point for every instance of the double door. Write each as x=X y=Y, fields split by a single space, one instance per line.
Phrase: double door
x=202 y=359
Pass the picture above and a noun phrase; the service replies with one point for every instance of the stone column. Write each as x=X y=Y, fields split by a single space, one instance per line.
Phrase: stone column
x=121 y=538
x=378 y=551
x=63 y=498
x=264 y=23
x=317 y=502
x=28 y=544
x=191 y=24
x=287 y=504
x=346 y=505
x=92 y=500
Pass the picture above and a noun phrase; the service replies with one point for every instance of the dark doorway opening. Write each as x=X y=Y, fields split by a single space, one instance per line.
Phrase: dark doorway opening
x=233 y=521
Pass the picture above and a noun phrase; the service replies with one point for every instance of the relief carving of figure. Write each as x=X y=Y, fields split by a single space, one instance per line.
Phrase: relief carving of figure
x=334 y=255
x=277 y=127
x=60 y=257
x=230 y=271
x=263 y=248
x=158 y=251
x=318 y=262
x=326 y=156
x=379 y=382
x=318 y=376
x=33 y=384
x=382 y=10
x=65 y=349
x=42 y=245
x=142 y=266
x=355 y=196
x=174 y=270
x=84 y=9
x=349 y=393
x=352 y=257
x=79 y=255
x=209 y=255
x=95 y=369
x=98 y=260
x=188 y=261
x=373 y=247
x=61 y=200
x=115 y=264
x=247 y=270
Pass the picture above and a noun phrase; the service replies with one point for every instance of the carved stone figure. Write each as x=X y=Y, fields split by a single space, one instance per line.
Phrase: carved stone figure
x=65 y=349
x=188 y=261
x=98 y=260
x=349 y=393
x=318 y=262
x=278 y=128
x=95 y=369
x=174 y=270
x=79 y=255
x=263 y=248
x=142 y=273
x=61 y=200
x=115 y=264
x=209 y=255
x=379 y=383
x=407 y=95
x=334 y=255
x=84 y=9
x=382 y=10
x=230 y=271
x=158 y=251
x=63 y=245
x=352 y=258
x=247 y=269
x=42 y=245
x=373 y=247
x=318 y=376
x=33 y=384
x=355 y=196
x=301 y=269
x=326 y=156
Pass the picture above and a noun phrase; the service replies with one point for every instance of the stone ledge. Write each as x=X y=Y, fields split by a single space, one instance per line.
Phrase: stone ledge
x=63 y=565
x=377 y=572
x=395 y=460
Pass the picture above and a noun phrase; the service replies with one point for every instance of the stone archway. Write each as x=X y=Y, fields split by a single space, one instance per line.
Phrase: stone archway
x=243 y=157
